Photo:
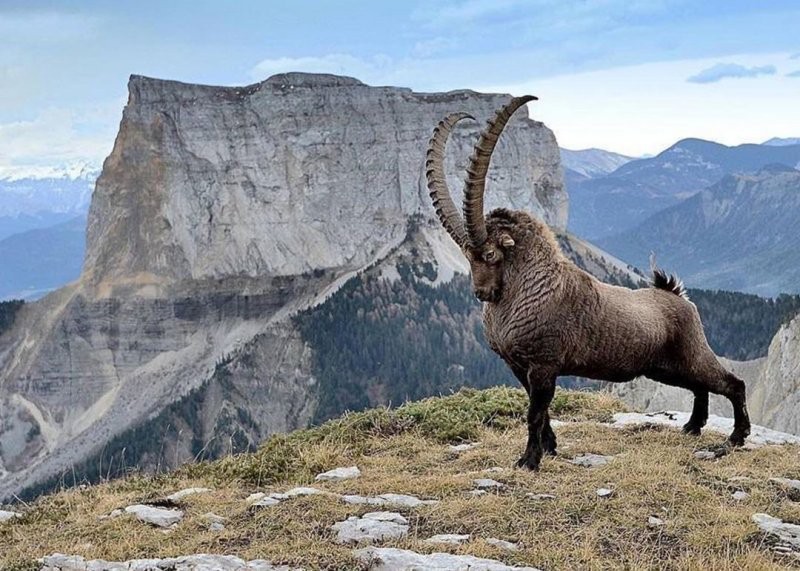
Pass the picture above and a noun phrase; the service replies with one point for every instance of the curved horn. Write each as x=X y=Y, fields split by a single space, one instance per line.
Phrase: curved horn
x=479 y=166
x=446 y=210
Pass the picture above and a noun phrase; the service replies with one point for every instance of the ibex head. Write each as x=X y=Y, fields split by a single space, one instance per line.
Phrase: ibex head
x=486 y=246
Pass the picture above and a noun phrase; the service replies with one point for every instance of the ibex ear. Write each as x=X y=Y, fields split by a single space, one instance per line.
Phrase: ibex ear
x=506 y=241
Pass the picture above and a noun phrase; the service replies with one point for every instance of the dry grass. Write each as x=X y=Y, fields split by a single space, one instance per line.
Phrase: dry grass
x=405 y=451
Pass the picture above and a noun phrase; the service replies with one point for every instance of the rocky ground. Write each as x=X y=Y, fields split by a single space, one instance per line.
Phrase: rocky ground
x=430 y=486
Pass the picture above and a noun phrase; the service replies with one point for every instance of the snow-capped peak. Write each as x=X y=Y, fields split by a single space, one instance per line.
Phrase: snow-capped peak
x=72 y=171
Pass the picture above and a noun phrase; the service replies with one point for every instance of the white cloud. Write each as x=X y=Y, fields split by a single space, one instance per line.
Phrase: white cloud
x=722 y=71
x=58 y=136
x=645 y=108
x=369 y=70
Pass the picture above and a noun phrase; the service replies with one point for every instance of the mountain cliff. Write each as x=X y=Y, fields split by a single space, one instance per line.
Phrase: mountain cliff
x=220 y=213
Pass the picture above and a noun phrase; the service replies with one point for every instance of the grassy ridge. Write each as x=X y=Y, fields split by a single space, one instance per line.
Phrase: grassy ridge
x=405 y=450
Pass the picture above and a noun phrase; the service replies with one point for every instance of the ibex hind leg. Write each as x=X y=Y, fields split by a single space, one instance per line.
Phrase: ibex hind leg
x=735 y=391
x=699 y=415
x=727 y=384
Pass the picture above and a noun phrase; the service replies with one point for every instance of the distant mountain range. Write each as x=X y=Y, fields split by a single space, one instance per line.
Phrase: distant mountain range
x=39 y=197
x=739 y=234
x=40 y=260
x=779 y=142
x=591 y=163
x=612 y=203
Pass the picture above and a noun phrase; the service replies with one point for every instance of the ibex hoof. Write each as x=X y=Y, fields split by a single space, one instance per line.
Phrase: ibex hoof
x=737 y=438
x=692 y=429
x=528 y=463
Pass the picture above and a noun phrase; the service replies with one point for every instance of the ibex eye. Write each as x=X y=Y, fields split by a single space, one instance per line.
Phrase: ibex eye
x=490 y=255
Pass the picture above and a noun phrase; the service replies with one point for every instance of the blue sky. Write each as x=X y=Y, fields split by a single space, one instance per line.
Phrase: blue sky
x=631 y=76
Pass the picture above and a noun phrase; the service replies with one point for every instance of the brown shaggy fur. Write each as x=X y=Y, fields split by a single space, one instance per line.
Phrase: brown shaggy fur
x=546 y=317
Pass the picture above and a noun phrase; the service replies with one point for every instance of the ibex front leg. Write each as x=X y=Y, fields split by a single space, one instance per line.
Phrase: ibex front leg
x=549 y=442
x=541 y=387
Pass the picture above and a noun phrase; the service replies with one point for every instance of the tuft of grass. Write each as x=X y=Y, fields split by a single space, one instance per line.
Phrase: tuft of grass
x=450 y=419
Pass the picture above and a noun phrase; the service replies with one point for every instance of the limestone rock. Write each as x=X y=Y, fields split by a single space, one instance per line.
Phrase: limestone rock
x=787 y=483
x=604 y=492
x=591 y=460
x=179 y=495
x=787 y=533
x=502 y=544
x=487 y=484
x=448 y=538
x=160 y=517
x=58 y=562
x=374 y=526
x=265 y=502
x=390 y=500
x=326 y=171
x=654 y=522
x=339 y=474
x=740 y=495
x=392 y=559
x=775 y=398
x=462 y=447
x=8 y=515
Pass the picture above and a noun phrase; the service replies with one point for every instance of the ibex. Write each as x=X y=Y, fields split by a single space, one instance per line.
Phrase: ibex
x=546 y=317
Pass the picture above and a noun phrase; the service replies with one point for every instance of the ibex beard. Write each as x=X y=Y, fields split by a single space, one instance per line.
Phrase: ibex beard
x=545 y=317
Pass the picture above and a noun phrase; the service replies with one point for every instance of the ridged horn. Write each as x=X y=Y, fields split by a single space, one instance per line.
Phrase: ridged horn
x=446 y=210
x=479 y=166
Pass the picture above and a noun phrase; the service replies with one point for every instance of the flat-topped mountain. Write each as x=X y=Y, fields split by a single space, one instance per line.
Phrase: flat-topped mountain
x=298 y=173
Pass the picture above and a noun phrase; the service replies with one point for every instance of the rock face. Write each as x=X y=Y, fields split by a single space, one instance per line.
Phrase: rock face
x=219 y=214
x=297 y=173
x=775 y=398
x=773 y=386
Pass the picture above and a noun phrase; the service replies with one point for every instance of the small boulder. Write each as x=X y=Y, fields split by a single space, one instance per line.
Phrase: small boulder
x=448 y=539
x=604 y=492
x=8 y=515
x=265 y=502
x=787 y=533
x=374 y=526
x=179 y=495
x=787 y=483
x=502 y=544
x=393 y=559
x=161 y=517
x=295 y=492
x=740 y=495
x=591 y=460
x=339 y=474
x=654 y=522
x=462 y=447
x=487 y=484
x=705 y=455
x=540 y=497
